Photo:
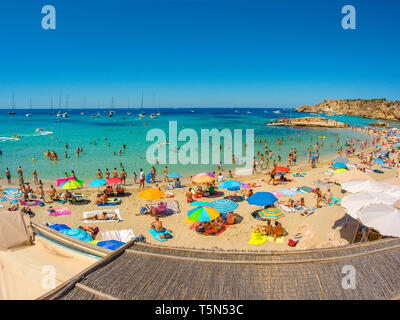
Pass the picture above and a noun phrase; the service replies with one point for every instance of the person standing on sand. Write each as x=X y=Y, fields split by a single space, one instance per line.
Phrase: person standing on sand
x=107 y=174
x=153 y=174
x=165 y=174
x=8 y=175
x=135 y=177
x=99 y=174
x=115 y=173
x=123 y=175
x=35 y=176
x=141 y=178
x=318 y=196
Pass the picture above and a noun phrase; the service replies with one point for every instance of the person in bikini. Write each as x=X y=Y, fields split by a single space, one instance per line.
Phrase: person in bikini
x=103 y=216
x=90 y=228
x=277 y=231
x=157 y=225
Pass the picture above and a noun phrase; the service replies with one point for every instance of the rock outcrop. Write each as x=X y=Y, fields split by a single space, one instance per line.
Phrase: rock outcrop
x=372 y=109
x=309 y=122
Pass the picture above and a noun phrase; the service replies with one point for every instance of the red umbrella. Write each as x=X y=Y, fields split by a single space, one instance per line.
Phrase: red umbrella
x=282 y=169
x=114 y=180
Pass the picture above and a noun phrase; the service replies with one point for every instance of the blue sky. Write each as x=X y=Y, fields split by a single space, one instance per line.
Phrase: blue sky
x=245 y=53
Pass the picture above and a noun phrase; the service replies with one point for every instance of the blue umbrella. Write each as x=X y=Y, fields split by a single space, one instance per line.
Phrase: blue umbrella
x=230 y=184
x=339 y=165
x=98 y=183
x=173 y=175
x=379 y=161
x=262 y=199
x=224 y=205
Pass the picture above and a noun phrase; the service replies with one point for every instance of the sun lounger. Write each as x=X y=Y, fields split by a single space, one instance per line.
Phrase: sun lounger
x=91 y=213
x=123 y=235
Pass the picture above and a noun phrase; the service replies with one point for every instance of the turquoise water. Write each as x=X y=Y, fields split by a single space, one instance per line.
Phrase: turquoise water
x=83 y=130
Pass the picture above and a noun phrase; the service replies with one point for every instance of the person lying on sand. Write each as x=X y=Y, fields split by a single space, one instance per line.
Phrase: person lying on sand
x=157 y=225
x=103 y=216
x=290 y=203
x=90 y=228
x=300 y=202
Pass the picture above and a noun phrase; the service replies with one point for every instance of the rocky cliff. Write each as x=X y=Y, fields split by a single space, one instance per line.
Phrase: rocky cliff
x=373 y=109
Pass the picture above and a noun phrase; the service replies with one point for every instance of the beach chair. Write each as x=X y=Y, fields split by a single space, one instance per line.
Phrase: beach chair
x=109 y=190
x=120 y=191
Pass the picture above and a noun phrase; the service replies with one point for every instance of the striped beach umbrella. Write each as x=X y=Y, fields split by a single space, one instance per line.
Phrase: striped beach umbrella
x=203 y=214
x=224 y=205
x=13 y=194
x=272 y=213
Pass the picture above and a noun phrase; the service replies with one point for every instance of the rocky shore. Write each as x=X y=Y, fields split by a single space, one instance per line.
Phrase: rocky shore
x=372 y=109
x=309 y=122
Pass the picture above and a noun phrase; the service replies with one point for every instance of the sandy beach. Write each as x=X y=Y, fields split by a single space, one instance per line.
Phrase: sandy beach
x=324 y=228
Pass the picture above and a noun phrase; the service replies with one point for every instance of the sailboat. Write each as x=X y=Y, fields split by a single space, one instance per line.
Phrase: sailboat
x=13 y=105
x=30 y=108
x=142 y=114
x=51 y=107
x=59 y=114
x=65 y=114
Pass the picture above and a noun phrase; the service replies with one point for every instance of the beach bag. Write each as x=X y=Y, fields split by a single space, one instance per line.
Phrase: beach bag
x=292 y=243
x=143 y=210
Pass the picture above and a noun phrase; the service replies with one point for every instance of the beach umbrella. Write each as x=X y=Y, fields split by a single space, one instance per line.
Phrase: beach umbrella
x=282 y=169
x=383 y=218
x=151 y=194
x=340 y=159
x=13 y=194
x=365 y=185
x=350 y=175
x=271 y=213
x=114 y=180
x=224 y=205
x=64 y=179
x=203 y=214
x=339 y=165
x=69 y=185
x=379 y=161
x=262 y=199
x=173 y=175
x=203 y=178
x=230 y=185
x=98 y=183
x=353 y=203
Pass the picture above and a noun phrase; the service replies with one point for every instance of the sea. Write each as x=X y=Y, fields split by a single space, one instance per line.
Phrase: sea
x=25 y=140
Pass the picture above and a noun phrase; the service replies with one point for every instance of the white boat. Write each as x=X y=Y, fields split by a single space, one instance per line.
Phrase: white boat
x=111 y=113
x=192 y=111
x=28 y=115
x=277 y=111
x=153 y=115
x=129 y=113
x=96 y=115
x=30 y=108
x=59 y=114
x=274 y=124
x=65 y=115
x=83 y=113
x=142 y=114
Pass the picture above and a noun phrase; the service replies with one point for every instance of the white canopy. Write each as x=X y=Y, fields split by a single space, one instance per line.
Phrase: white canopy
x=382 y=217
x=365 y=185
x=353 y=203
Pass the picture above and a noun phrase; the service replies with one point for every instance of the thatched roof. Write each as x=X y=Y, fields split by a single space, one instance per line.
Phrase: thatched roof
x=143 y=271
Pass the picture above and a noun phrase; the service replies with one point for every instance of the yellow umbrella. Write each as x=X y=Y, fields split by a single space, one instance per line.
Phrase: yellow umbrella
x=73 y=184
x=151 y=194
x=203 y=179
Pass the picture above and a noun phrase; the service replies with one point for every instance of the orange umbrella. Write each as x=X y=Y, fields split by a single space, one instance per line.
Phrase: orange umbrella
x=203 y=178
x=151 y=194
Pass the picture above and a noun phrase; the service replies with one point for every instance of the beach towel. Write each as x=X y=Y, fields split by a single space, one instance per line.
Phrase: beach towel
x=278 y=239
x=91 y=213
x=30 y=203
x=53 y=212
x=200 y=203
x=257 y=239
x=294 y=190
x=157 y=235
x=113 y=202
x=334 y=200
x=58 y=227
x=385 y=167
x=110 y=244
x=306 y=189
x=300 y=191
x=277 y=194
x=77 y=234
x=123 y=235
x=287 y=192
